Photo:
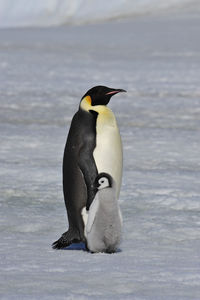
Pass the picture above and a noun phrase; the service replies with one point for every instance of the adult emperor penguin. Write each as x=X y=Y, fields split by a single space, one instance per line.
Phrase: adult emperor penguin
x=103 y=221
x=93 y=146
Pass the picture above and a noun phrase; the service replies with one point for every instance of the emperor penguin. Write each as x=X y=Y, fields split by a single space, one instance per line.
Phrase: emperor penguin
x=93 y=146
x=103 y=221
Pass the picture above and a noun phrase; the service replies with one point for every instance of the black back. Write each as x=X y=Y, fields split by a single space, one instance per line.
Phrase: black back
x=79 y=168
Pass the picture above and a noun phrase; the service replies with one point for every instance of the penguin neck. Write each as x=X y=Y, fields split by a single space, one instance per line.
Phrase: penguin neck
x=86 y=104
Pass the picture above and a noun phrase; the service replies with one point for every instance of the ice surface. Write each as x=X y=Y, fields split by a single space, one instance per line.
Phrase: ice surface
x=57 y=12
x=43 y=74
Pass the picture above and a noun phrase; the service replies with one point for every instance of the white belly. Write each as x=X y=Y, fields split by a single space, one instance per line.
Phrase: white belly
x=108 y=151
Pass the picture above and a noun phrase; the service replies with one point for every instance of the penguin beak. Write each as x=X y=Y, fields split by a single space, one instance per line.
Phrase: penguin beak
x=116 y=91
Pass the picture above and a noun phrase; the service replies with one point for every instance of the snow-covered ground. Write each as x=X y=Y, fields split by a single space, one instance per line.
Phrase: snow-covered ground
x=43 y=75
x=56 y=12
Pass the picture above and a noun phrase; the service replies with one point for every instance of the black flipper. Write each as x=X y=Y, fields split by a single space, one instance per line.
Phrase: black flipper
x=86 y=160
x=67 y=238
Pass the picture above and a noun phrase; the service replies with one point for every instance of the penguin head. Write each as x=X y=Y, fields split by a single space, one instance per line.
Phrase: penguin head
x=103 y=181
x=101 y=95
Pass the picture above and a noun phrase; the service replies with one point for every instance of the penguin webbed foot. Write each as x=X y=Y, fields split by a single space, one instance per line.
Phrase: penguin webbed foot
x=66 y=239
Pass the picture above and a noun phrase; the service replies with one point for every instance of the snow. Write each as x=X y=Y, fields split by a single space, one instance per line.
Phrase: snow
x=56 y=12
x=44 y=73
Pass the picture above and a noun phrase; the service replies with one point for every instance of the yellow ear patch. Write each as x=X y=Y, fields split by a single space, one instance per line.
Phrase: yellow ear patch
x=88 y=99
x=86 y=103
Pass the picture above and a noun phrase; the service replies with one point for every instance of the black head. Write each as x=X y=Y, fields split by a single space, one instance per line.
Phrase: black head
x=100 y=95
x=102 y=181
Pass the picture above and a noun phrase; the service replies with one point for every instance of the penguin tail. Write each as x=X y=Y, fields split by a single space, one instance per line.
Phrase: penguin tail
x=67 y=238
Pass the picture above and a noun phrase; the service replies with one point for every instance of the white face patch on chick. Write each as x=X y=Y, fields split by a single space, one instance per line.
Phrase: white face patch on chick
x=103 y=183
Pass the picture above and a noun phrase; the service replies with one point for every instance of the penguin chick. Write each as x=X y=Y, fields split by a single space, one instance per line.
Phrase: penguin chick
x=103 y=221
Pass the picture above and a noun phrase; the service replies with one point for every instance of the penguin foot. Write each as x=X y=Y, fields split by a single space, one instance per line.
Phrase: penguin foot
x=66 y=239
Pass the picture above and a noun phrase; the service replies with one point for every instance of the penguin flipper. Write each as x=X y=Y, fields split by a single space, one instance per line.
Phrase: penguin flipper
x=89 y=170
x=86 y=160
x=67 y=238
x=84 y=214
x=92 y=214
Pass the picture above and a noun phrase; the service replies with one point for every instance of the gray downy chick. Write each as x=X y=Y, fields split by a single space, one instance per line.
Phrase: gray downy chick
x=103 y=221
